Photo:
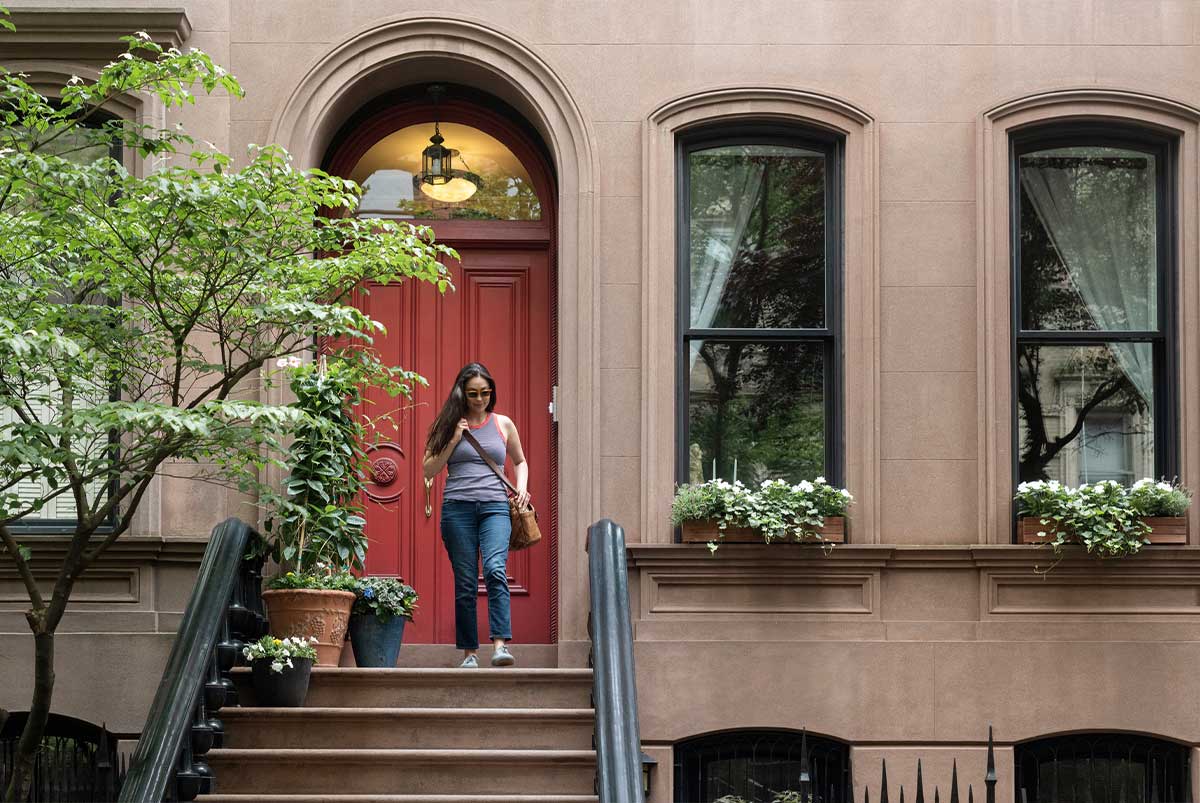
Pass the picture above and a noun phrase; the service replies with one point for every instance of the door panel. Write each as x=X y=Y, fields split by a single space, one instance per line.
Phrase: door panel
x=499 y=315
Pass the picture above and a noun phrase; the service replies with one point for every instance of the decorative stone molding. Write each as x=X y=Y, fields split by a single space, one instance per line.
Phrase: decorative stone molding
x=994 y=271
x=90 y=32
x=860 y=283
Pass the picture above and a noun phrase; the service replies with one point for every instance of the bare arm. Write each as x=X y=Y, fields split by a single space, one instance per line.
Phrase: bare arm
x=517 y=455
x=433 y=463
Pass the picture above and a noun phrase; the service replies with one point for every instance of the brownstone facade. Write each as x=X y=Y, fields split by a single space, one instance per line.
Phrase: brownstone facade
x=930 y=623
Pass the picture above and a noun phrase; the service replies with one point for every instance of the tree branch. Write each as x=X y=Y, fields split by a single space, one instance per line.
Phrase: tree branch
x=23 y=568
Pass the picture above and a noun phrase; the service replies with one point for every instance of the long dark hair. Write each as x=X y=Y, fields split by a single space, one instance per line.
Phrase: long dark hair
x=455 y=408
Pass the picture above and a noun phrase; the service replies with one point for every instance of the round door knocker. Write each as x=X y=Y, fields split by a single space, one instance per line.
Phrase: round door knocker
x=383 y=469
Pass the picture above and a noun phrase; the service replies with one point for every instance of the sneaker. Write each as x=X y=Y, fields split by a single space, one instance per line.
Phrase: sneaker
x=470 y=662
x=502 y=657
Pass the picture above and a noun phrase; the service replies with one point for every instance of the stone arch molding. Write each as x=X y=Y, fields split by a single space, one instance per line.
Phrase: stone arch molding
x=415 y=48
x=994 y=266
x=859 y=282
x=412 y=49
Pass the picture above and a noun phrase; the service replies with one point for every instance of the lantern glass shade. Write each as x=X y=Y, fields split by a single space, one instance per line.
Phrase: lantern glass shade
x=453 y=191
x=436 y=162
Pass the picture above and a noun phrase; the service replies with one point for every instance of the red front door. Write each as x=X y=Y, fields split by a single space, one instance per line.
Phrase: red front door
x=499 y=315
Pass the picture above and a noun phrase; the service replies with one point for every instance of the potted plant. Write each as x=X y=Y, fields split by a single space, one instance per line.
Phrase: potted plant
x=382 y=606
x=315 y=531
x=776 y=511
x=280 y=669
x=1106 y=518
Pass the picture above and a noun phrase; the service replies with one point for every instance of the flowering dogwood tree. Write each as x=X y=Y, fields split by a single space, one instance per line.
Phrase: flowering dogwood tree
x=138 y=307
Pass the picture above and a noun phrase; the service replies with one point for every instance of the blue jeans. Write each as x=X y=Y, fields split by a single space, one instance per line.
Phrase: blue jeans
x=471 y=530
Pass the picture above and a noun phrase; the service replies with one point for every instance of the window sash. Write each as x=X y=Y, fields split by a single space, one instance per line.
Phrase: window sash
x=63 y=508
x=763 y=134
x=1162 y=339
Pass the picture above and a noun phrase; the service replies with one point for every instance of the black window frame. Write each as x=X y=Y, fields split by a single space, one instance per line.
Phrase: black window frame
x=1165 y=339
x=1153 y=752
x=32 y=526
x=828 y=759
x=832 y=146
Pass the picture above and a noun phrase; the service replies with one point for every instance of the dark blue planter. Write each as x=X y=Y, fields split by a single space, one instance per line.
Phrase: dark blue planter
x=376 y=644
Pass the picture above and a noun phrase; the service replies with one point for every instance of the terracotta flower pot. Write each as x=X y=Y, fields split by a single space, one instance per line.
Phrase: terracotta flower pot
x=1163 y=530
x=704 y=530
x=305 y=612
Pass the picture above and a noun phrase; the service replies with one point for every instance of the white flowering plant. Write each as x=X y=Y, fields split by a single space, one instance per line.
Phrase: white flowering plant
x=1152 y=498
x=1105 y=517
x=778 y=509
x=281 y=652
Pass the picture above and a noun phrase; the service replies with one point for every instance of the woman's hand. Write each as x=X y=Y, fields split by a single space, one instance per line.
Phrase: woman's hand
x=459 y=430
x=522 y=498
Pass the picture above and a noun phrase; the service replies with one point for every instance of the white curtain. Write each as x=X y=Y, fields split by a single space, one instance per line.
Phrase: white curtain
x=1104 y=233
x=717 y=237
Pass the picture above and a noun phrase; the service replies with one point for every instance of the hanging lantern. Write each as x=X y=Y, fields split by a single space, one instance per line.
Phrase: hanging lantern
x=439 y=178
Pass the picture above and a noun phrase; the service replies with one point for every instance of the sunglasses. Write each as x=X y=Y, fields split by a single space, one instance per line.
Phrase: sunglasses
x=479 y=394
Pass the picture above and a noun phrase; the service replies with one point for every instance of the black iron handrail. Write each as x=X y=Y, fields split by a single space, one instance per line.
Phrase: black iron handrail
x=618 y=745
x=224 y=611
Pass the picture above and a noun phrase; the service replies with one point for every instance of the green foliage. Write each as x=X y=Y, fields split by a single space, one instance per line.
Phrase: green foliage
x=144 y=306
x=280 y=651
x=323 y=579
x=385 y=597
x=1150 y=498
x=776 y=508
x=780 y=797
x=317 y=522
x=1105 y=517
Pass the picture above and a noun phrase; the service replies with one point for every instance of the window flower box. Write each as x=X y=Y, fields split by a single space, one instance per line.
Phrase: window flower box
x=774 y=511
x=702 y=531
x=1108 y=519
x=1163 y=530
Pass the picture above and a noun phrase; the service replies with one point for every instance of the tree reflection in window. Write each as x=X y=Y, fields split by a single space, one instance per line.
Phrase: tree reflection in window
x=1092 y=350
x=757 y=339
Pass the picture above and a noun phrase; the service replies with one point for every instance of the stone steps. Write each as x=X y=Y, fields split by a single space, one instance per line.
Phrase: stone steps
x=326 y=771
x=401 y=798
x=413 y=735
x=338 y=687
x=411 y=728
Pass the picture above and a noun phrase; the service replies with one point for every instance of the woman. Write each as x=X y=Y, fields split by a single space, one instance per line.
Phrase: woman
x=475 y=517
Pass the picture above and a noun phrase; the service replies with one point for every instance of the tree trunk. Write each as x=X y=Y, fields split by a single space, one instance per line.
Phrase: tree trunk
x=39 y=709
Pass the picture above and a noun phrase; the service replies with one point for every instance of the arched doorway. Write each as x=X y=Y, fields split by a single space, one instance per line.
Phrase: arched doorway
x=501 y=314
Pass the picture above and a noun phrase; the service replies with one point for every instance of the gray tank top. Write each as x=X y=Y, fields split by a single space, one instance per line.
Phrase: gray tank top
x=469 y=478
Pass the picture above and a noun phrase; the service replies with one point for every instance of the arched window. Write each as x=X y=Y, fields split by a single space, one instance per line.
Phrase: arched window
x=758 y=765
x=759 y=228
x=500 y=187
x=1101 y=768
x=1093 y=311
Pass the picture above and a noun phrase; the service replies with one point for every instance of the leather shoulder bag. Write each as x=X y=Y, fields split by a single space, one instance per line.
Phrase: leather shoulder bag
x=525 y=531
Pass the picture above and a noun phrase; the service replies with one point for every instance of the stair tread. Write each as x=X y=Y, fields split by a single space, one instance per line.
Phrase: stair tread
x=412 y=755
x=348 y=712
x=504 y=675
x=334 y=797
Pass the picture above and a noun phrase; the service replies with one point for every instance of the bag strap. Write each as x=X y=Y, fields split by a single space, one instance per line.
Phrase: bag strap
x=491 y=463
